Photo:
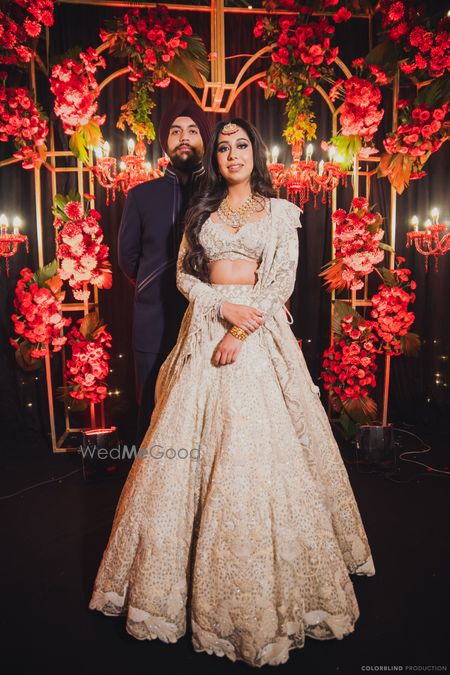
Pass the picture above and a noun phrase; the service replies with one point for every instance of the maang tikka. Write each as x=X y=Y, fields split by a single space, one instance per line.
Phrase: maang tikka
x=229 y=129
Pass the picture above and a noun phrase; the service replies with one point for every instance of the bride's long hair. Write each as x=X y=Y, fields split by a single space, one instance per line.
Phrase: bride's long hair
x=214 y=190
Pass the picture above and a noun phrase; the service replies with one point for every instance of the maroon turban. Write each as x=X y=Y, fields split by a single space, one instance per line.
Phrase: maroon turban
x=183 y=109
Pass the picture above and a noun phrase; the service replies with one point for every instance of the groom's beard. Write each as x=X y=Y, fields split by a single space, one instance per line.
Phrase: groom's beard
x=186 y=161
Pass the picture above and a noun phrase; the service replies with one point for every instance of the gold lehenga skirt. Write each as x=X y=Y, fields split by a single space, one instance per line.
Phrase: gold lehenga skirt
x=223 y=527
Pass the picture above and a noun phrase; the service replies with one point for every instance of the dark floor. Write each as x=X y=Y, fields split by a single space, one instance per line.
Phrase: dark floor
x=53 y=536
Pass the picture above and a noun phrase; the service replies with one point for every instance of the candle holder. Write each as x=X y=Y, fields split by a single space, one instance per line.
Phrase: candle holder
x=306 y=176
x=429 y=241
x=9 y=241
x=133 y=169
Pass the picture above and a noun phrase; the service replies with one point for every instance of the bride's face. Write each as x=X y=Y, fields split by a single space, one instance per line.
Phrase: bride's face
x=235 y=156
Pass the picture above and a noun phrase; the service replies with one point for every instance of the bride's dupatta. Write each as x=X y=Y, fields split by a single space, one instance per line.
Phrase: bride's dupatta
x=276 y=280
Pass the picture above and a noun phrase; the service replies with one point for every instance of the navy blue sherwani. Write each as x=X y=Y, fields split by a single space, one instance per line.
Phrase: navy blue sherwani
x=149 y=238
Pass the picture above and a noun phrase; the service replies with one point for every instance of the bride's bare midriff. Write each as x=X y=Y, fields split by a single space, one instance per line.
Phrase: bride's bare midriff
x=233 y=271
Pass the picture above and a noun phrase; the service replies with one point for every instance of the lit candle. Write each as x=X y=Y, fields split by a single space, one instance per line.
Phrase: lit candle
x=147 y=166
x=321 y=165
x=131 y=145
x=415 y=223
x=435 y=215
x=98 y=152
x=106 y=148
x=275 y=153
x=309 y=151
x=428 y=223
x=3 y=224
x=331 y=153
x=16 y=224
x=122 y=166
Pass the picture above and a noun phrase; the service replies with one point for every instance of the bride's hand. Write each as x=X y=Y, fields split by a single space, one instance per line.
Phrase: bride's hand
x=243 y=316
x=227 y=350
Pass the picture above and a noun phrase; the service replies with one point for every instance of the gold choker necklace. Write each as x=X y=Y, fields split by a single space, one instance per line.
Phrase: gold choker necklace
x=236 y=218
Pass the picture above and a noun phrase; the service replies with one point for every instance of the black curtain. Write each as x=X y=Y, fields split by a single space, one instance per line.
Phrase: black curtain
x=417 y=395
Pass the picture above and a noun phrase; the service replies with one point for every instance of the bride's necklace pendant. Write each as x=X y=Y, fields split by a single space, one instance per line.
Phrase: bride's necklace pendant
x=236 y=218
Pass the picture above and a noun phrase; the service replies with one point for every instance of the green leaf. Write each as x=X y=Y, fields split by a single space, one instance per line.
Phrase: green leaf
x=76 y=405
x=386 y=247
x=342 y=309
x=347 y=147
x=410 y=344
x=386 y=55
x=24 y=358
x=348 y=425
x=189 y=64
x=389 y=278
x=46 y=272
x=89 y=324
x=91 y=134
x=77 y=146
x=361 y=410
x=436 y=93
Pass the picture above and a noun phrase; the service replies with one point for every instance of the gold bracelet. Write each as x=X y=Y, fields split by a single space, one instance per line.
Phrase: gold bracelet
x=238 y=333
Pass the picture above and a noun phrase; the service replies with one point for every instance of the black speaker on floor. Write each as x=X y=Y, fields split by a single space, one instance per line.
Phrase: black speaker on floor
x=100 y=454
x=375 y=442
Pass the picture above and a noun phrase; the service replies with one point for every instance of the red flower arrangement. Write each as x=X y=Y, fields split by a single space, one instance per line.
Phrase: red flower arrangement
x=357 y=243
x=76 y=92
x=14 y=34
x=21 y=120
x=152 y=39
x=349 y=364
x=82 y=255
x=301 y=46
x=422 y=130
x=88 y=367
x=157 y=44
x=38 y=319
x=427 y=52
x=360 y=113
x=390 y=309
x=302 y=56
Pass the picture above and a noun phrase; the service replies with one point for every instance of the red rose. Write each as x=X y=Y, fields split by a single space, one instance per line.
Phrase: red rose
x=341 y=15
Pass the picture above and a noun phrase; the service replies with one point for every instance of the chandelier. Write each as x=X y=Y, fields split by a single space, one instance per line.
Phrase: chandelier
x=306 y=176
x=133 y=168
x=9 y=241
x=429 y=241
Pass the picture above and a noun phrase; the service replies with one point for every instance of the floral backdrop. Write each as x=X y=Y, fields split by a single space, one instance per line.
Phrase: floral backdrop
x=157 y=44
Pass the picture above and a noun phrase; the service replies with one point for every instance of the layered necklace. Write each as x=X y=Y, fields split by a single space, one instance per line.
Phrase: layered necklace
x=236 y=218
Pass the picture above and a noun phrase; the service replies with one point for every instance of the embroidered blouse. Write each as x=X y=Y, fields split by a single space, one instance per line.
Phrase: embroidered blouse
x=252 y=242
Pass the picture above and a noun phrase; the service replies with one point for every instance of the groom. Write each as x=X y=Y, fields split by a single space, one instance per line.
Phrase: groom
x=149 y=238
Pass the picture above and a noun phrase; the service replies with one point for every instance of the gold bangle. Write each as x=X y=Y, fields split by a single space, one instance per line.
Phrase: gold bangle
x=238 y=333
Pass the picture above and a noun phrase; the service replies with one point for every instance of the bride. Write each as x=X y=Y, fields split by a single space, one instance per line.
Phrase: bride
x=237 y=519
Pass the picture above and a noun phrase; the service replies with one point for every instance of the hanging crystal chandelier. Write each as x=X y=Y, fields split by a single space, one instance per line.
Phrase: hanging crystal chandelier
x=133 y=168
x=429 y=241
x=306 y=177
x=9 y=241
